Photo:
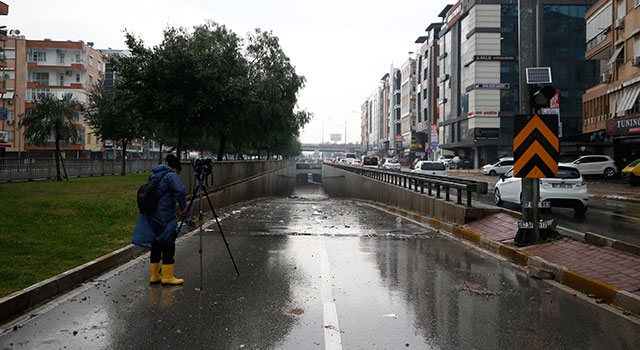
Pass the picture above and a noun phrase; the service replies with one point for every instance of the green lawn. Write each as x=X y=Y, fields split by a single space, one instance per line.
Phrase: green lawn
x=49 y=227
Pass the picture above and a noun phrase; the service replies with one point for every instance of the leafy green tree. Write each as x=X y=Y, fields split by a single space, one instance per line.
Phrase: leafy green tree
x=275 y=86
x=206 y=84
x=52 y=117
x=113 y=114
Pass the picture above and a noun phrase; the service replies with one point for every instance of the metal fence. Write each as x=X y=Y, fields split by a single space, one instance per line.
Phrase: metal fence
x=43 y=169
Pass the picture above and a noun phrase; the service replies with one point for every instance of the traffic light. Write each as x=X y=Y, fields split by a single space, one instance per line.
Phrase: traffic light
x=542 y=96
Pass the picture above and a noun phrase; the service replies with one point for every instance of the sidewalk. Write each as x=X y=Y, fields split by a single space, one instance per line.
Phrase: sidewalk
x=607 y=270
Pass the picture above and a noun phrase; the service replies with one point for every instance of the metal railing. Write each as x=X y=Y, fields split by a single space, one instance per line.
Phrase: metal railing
x=433 y=185
x=43 y=169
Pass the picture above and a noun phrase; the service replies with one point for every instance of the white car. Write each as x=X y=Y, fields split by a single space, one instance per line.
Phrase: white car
x=595 y=164
x=430 y=168
x=389 y=164
x=500 y=167
x=445 y=159
x=567 y=190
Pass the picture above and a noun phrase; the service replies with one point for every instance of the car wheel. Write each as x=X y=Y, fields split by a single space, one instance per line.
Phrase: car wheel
x=497 y=198
x=609 y=173
x=580 y=209
x=492 y=173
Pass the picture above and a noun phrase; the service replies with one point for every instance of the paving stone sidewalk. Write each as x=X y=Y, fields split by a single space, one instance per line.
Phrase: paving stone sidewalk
x=602 y=271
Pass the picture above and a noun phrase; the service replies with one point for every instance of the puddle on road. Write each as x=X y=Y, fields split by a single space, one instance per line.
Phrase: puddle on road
x=310 y=211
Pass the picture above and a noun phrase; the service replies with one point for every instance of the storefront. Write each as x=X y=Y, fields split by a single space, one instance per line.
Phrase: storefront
x=626 y=139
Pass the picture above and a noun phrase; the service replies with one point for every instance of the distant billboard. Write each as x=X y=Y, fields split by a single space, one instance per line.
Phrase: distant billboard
x=336 y=137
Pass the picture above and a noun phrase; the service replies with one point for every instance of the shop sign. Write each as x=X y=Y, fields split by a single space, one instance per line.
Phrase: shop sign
x=486 y=133
x=623 y=126
x=483 y=113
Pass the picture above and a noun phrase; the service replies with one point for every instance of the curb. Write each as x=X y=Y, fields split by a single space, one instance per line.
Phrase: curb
x=16 y=303
x=539 y=268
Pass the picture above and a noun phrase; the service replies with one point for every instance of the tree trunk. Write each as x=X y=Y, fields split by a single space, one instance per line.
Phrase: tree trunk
x=58 y=160
x=160 y=158
x=123 y=170
x=223 y=141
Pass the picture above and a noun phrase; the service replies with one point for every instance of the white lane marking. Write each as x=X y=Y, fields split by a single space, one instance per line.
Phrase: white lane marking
x=332 y=339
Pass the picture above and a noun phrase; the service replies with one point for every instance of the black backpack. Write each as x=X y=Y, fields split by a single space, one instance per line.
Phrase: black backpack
x=148 y=195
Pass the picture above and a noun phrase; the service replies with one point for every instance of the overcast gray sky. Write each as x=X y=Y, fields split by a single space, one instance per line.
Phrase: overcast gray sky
x=342 y=48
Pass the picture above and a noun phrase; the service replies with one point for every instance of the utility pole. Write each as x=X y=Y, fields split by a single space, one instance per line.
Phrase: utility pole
x=528 y=57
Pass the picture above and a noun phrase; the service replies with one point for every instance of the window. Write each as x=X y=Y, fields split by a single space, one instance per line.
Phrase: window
x=78 y=58
x=90 y=60
x=34 y=94
x=78 y=78
x=41 y=78
x=61 y=80
x=61 y=58
x=90 y=79
x=38 y=56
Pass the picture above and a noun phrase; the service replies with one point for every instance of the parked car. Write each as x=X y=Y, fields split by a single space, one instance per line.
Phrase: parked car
x=595 y=164
x=500 y=167
x=632 y=172
x=430 y=168
x=461 y=163
x=389 y=164
x=369 y=161
x=445 y=159
x=567 y=190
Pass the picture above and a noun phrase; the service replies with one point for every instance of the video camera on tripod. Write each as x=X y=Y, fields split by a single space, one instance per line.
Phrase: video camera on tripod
x=202 y=166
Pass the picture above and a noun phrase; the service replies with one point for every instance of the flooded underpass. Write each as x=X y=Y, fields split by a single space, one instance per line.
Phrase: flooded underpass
x=321 y=273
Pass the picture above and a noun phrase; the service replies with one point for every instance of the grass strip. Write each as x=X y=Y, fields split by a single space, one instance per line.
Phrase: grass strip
x=49 y=227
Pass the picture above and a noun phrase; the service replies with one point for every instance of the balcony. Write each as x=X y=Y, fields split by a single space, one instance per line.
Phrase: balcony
x=600 y=46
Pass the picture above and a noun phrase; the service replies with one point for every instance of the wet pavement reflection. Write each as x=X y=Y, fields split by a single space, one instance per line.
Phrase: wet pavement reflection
x=318 y=273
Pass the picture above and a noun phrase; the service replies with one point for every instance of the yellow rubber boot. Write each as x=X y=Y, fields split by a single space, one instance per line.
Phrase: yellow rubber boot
x=167 y=275
x=155 y=273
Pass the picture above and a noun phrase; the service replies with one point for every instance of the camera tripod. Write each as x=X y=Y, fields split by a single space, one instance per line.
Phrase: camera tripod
x=198 y=192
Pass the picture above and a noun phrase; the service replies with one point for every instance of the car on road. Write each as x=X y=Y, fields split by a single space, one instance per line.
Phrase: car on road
x=631 y=172
x=369 y=162
x=445 y=159
x=595 y=165
x=500 y=167
x=461 y=163
x=428 y=167
x=389 y=164
x=567 y=190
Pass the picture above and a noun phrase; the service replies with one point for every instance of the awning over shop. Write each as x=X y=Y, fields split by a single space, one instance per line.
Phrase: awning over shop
x=629 y=99
x=615 y=55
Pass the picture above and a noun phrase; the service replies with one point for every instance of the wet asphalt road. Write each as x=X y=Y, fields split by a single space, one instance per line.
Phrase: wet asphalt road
x=317 y=273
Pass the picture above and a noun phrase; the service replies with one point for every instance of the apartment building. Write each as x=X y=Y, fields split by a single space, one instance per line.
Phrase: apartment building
x=611 y=109
x=479 y=73
x=425 y=139
x=58 y=68
x=37 y=67
x=407 y=105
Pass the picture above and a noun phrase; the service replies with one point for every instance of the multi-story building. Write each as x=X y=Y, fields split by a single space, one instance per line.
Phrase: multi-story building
x=407 y=105
x=59 y=68
x=611 y=109
x=36 y=67
x=479 y=73
x=427 y=94
x=386 y=110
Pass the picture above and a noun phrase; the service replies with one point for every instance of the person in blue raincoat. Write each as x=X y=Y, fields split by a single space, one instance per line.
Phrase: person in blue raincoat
x=157 y=231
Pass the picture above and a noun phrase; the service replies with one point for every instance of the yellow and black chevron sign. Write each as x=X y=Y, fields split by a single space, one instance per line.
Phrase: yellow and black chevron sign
x=535 y=146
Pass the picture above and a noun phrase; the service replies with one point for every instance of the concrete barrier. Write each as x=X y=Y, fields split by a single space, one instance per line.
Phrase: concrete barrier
x=339 y=183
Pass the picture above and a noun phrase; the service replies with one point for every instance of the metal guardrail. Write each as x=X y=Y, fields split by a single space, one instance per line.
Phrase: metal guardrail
x=434 y=185
x=43 y=169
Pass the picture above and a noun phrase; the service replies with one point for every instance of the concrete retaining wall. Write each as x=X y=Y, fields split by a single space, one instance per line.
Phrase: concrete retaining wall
x=344 y=184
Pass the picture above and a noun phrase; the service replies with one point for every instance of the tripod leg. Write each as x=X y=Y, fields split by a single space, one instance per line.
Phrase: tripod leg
x=221 y=233
x=187 y=212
